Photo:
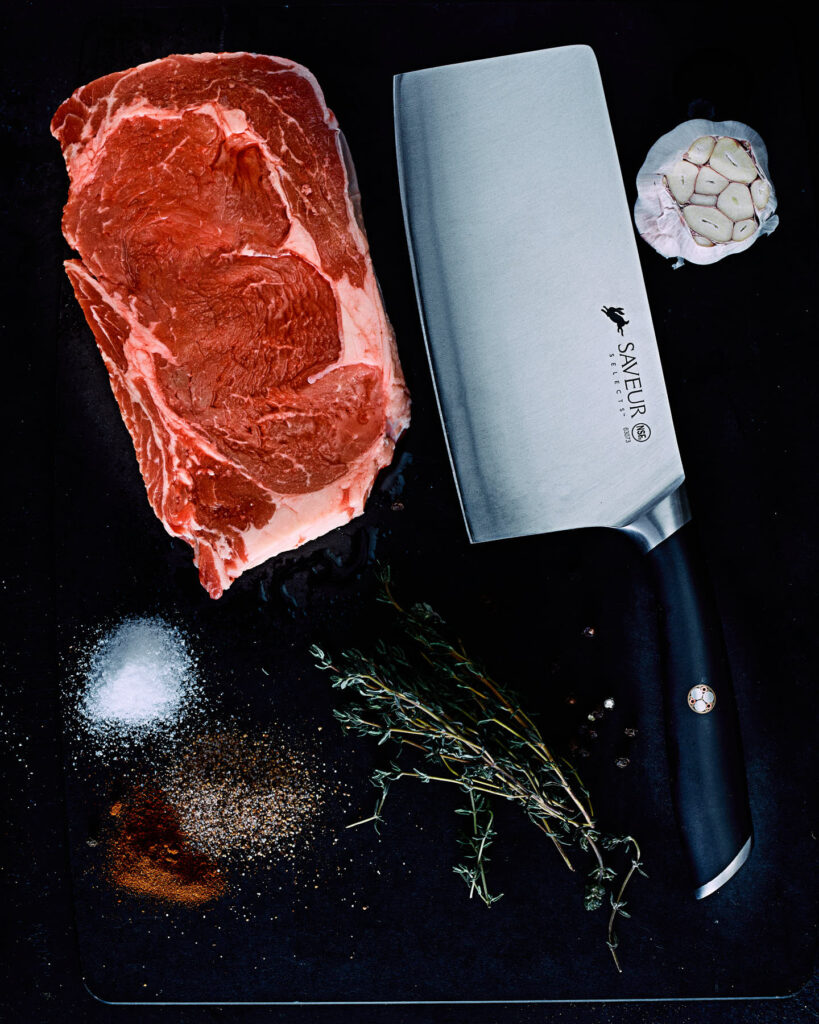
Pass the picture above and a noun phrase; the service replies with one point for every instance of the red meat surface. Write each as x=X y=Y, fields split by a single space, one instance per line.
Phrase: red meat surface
x=225 y=273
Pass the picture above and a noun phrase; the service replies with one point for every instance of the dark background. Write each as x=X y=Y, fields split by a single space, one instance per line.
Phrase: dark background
x=737 y=346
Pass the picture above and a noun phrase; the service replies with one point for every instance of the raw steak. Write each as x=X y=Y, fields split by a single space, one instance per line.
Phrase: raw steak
x=226 y=276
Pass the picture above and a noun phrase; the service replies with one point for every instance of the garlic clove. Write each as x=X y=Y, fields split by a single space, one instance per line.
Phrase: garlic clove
x=680 y=180
x=700 y=150
x=760 y=193
x=743 y=229
x=702 y=240
x=735 y=202
x=710 y=182
x=713 y=224
x=700 y=200
x=730 y=159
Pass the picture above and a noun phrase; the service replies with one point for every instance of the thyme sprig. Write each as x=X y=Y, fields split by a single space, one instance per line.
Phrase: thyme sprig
x=426 y=695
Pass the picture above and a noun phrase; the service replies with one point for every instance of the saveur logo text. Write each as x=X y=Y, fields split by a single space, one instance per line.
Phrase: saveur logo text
x=627 y=380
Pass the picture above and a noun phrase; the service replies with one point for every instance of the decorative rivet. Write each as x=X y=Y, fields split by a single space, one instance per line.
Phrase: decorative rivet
x=702 y=699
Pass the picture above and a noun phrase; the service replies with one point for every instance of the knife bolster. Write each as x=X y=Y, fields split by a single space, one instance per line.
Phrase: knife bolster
x=661 y=521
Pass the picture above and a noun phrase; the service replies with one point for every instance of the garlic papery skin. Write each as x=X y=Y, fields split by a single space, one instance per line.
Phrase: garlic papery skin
x=704 y=192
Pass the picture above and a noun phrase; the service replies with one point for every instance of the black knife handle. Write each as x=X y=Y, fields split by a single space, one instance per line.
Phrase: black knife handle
x=705 y=750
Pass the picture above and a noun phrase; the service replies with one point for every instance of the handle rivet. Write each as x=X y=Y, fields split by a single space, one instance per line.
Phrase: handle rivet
x=702 y=699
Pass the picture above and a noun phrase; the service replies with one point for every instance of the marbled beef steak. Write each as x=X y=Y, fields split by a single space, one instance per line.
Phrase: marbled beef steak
x=225 y=273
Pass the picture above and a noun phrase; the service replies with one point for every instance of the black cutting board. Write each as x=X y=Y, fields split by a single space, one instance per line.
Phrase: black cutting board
x=387 y=918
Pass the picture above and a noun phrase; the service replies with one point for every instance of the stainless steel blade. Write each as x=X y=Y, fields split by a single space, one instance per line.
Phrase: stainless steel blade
x=532 y=299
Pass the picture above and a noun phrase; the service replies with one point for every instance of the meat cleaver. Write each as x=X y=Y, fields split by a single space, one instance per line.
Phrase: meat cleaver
x=547 y=374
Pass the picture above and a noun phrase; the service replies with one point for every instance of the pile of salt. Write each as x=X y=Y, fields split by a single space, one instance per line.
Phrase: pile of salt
x=141 y=677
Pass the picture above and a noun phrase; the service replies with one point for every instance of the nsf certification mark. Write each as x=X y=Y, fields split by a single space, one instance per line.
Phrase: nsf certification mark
x=641 y=431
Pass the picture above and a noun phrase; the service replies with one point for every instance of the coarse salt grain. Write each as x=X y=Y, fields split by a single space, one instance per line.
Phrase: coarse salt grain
x=141 y=677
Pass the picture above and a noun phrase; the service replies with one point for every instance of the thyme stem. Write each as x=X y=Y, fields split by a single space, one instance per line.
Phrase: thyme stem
x=428 y=696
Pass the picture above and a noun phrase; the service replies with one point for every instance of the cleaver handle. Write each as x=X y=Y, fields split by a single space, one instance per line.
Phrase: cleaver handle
x=705 y=750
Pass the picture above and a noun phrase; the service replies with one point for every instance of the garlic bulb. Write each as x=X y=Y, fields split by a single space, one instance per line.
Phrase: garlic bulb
x=704 y=192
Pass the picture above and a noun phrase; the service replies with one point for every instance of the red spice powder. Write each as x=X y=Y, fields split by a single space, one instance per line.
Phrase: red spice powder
x=150 y=854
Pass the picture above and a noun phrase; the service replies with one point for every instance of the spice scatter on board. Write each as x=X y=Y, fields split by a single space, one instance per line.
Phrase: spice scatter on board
x=150 y=855
x=192 y=797
x=242 y=797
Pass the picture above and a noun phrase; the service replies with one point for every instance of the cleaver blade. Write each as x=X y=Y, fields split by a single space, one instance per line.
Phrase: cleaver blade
x=547 y=372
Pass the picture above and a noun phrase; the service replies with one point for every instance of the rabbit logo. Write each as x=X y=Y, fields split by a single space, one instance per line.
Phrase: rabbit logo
x=615 y=314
